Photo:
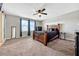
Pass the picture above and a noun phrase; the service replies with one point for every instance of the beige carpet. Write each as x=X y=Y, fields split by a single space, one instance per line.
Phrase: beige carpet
x=27 y=47
x=64 y=46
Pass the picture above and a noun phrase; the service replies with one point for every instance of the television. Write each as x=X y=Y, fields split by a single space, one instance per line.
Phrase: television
x=39 y=28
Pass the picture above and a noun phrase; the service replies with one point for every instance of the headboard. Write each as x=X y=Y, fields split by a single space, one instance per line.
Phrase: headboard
x=51 y=27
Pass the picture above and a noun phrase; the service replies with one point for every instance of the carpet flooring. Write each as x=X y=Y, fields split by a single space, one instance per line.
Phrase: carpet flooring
x=28 y=47
x=64 y=46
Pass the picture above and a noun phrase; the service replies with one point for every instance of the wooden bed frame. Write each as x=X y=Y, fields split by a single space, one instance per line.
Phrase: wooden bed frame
x=42 y=37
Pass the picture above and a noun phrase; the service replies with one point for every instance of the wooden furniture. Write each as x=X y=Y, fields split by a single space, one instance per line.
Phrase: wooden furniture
x=58 y=26
x=40 y=37
x=45 y=37
x=53 y=32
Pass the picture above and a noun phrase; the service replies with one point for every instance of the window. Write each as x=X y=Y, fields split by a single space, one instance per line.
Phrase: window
x=32 y=25
x=27 y=25
x=24 y=25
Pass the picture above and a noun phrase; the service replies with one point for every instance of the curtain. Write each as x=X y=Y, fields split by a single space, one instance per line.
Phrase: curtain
x=27 y=25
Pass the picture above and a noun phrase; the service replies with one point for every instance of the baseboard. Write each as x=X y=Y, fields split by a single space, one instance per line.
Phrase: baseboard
x=18 y=38
x=68 y=40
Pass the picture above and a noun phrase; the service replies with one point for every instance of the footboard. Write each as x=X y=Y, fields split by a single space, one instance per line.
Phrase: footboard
x=42 y=37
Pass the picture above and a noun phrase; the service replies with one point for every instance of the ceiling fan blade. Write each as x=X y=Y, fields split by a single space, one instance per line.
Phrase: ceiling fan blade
x=35 y=14
x=44 y=13
x=43 y=9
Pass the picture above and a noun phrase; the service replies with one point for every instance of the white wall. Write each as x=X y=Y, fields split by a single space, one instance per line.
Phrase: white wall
x=2 y=39
x=70 y=22
x=11 y=20
x=39 y=23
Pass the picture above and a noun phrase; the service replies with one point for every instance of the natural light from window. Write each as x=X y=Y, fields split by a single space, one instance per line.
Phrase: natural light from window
x=24 y=25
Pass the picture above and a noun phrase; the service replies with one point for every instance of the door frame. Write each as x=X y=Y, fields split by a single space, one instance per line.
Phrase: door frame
x=11 y=31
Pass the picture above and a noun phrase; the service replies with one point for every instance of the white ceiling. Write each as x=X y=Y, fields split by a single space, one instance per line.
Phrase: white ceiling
x=28 y=9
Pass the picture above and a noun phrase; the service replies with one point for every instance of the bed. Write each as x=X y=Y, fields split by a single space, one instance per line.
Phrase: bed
x=45 y=36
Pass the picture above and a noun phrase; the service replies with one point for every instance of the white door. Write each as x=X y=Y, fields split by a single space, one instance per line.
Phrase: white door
x=13 y=31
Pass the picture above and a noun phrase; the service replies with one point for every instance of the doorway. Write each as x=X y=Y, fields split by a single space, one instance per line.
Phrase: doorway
x=13 y=31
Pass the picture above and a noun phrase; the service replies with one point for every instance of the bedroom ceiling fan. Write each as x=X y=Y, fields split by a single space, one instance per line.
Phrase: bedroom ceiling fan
x=40 y=12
